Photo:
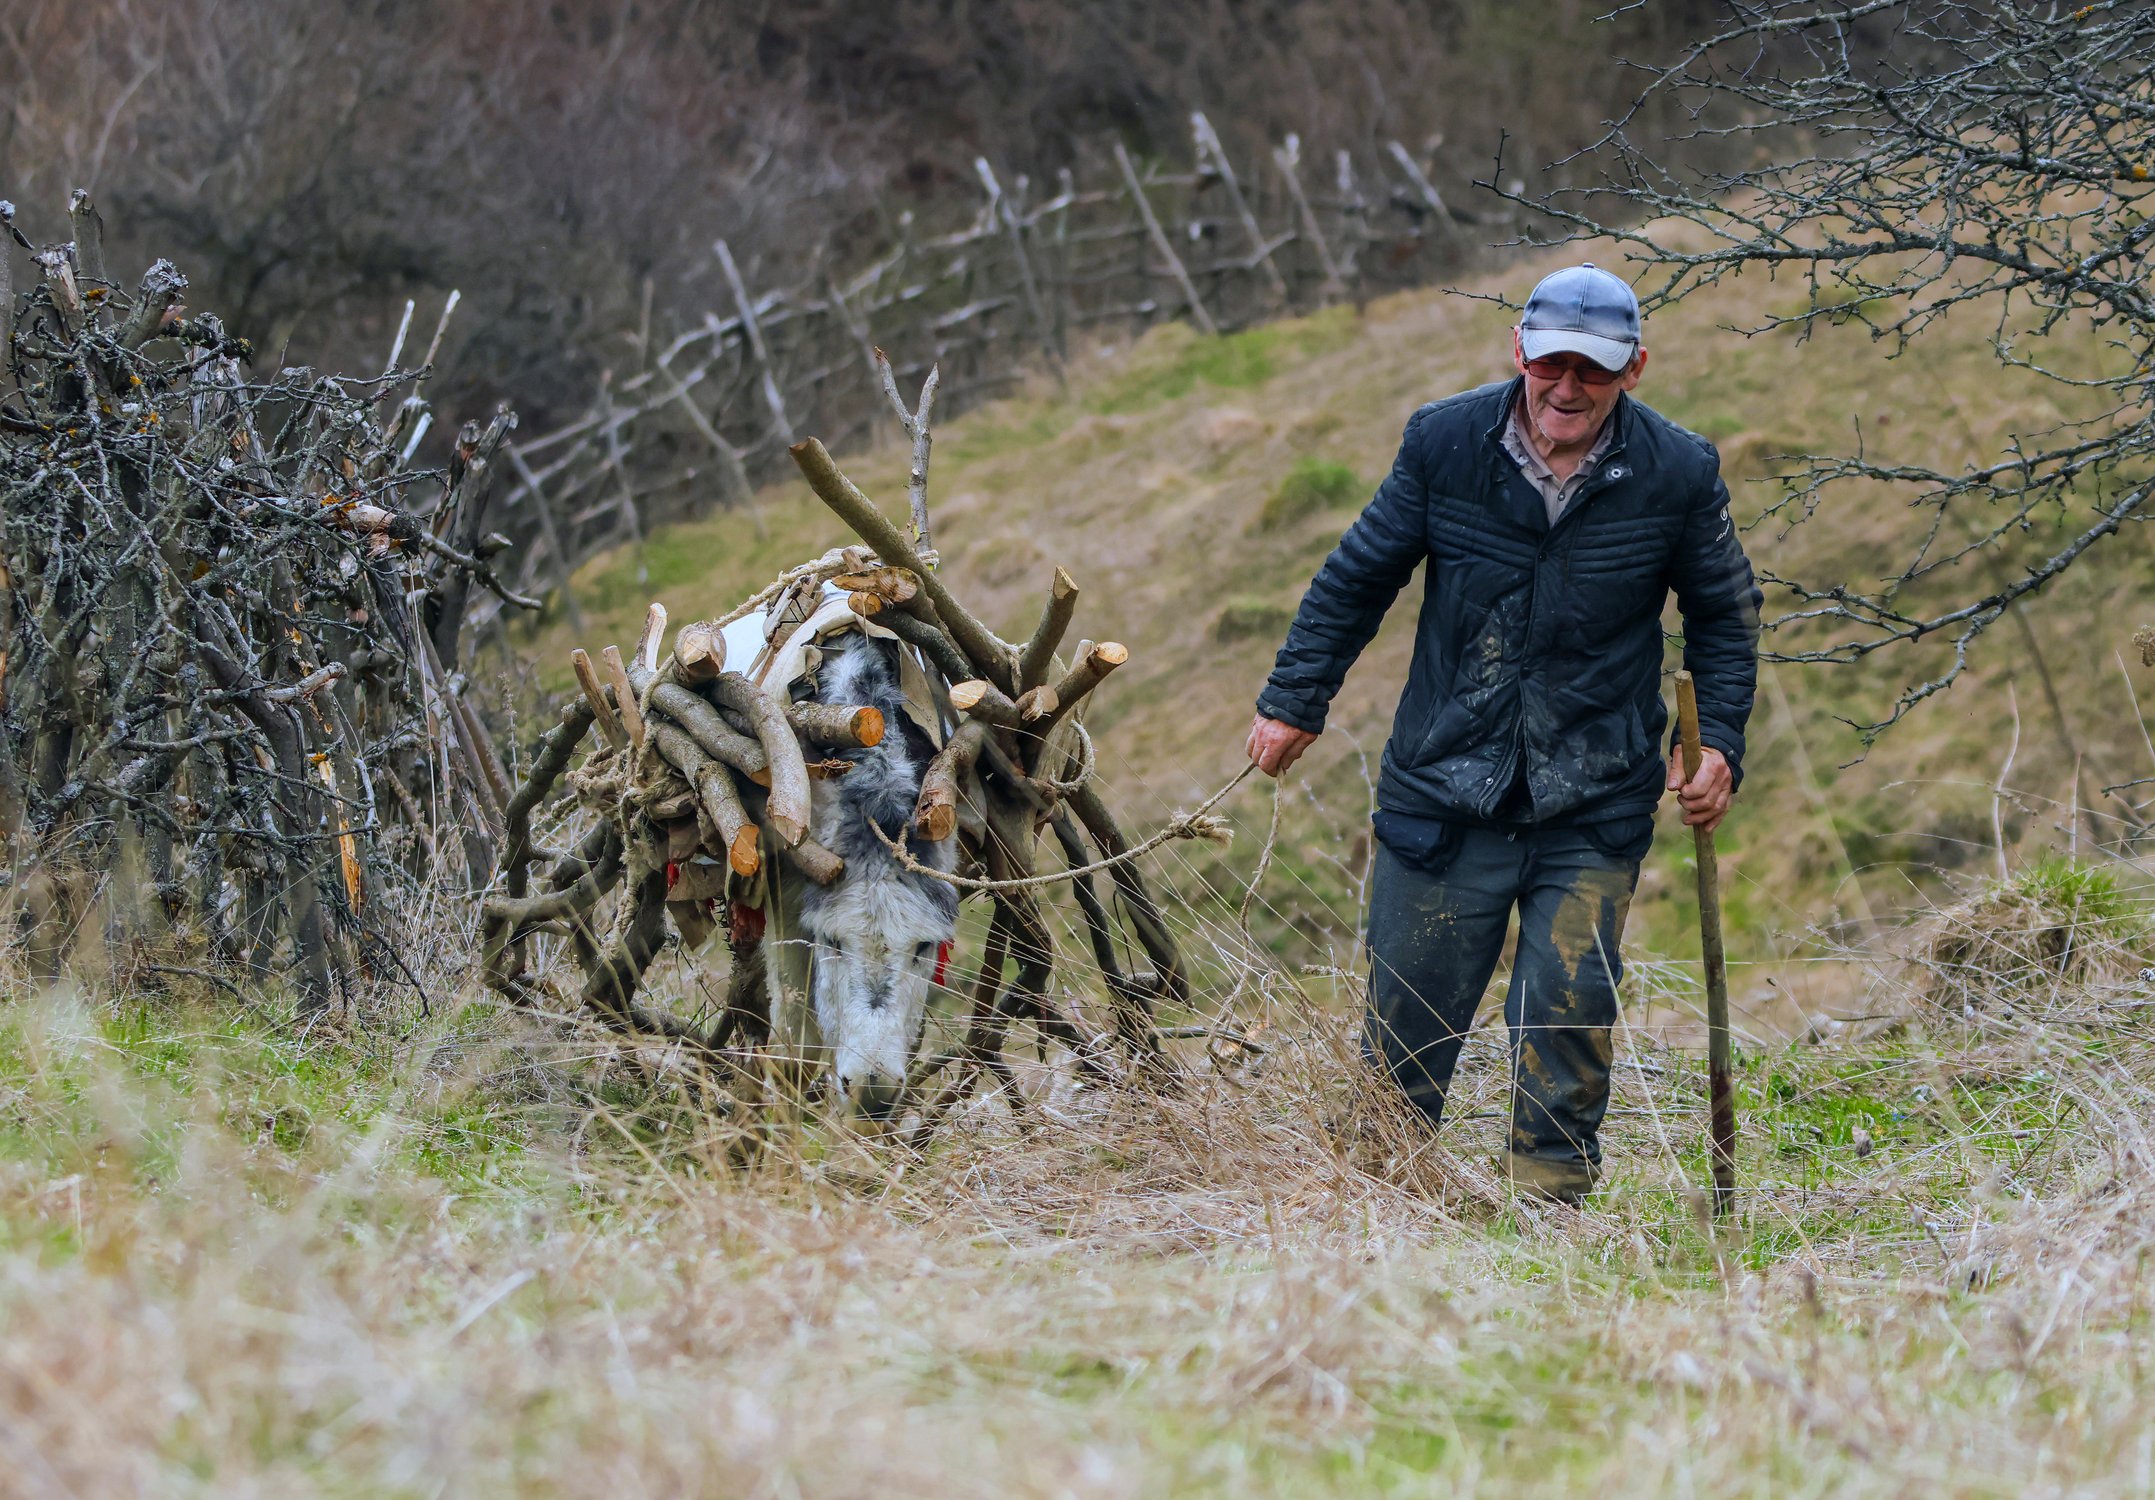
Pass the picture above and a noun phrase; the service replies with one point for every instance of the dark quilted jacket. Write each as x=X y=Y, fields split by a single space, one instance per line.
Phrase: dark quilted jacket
x=1535 y=641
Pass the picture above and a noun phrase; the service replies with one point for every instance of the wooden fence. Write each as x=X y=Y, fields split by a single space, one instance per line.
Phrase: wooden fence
x=700 y=417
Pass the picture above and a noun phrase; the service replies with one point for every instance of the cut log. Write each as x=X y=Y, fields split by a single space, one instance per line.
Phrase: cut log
x=786 y=814
x=709 y=729
x=617 y=674
x=838 y=724
x=815 y=861
x=699 y=652
x=982 y=700
x=1039 y=653
x=602 y=708
x=935 y=815
x=722 y=822
x=1037 y=703
x=1092 y=667
x=865 y=604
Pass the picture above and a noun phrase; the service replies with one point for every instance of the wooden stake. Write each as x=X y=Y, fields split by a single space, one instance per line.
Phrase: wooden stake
x=1720 y=1060
x=1288 y=158
x=757 y=349
x=654 y=636
x=595 y=695
x=999 y=204
x=617 y=673
x=556 y=548
x=1208 y=144
x=1429 y=196
x=1160 y=243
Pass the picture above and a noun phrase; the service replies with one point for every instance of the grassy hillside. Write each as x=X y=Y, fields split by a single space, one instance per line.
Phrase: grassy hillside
x=457 y=1250
x=1192 y=485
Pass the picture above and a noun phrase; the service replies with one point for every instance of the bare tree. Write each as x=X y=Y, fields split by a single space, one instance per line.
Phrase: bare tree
x=1915 y=158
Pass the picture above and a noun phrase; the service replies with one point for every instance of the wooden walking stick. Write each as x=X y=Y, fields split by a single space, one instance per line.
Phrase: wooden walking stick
x=1719 y=1061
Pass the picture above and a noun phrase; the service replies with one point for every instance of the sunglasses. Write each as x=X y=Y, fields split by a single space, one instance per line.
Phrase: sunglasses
x=1553 y=367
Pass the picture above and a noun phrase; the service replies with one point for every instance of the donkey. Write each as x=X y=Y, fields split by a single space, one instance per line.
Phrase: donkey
x=875 y=941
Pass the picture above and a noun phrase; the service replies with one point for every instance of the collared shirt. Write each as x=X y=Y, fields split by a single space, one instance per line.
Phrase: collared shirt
x=1555 y=493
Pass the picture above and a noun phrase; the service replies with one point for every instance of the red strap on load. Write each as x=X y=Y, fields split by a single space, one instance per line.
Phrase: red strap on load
x=744 y=924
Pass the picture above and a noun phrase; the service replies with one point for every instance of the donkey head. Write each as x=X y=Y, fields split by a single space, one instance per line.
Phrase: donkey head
x=878 y=930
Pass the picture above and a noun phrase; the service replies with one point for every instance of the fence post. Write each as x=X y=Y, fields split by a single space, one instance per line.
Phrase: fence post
x=999 y=205
x=1066 y=300
x=1287 y=157
x=610 y=434
x=1429 y=196
x=855 y=329
x=1354 y=226
x=1198 y=315
x=756 y=349
x=1208 y=144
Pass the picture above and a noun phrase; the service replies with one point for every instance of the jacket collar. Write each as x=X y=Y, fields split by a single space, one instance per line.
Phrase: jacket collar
x=1535 y=517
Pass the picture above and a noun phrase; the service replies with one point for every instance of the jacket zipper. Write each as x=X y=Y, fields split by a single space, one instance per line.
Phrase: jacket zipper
x=1514 y=758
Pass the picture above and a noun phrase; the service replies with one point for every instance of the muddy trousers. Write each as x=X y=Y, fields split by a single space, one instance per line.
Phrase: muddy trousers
x=1436 y=930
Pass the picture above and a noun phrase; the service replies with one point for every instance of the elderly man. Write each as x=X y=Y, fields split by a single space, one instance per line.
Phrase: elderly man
x=1556 y=513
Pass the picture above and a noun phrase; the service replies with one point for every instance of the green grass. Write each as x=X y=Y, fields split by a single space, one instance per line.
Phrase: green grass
x=1312 y=486
x=2091 y=893
x=1174 y=361
x=1242 y=619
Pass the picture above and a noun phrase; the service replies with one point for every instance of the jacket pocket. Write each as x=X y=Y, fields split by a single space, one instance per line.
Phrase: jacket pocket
x=1425 y=845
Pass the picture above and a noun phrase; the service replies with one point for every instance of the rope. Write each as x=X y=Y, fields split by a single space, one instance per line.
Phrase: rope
x=1088 y=762
x=1190 y=825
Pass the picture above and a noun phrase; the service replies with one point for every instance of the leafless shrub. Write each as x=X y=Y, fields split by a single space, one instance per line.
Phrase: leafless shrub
x=232 y=620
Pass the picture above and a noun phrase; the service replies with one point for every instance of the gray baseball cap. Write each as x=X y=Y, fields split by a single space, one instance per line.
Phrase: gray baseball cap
x=1582 y=310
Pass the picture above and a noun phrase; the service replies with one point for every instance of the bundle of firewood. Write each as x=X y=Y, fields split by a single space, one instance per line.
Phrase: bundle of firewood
x=698 y=770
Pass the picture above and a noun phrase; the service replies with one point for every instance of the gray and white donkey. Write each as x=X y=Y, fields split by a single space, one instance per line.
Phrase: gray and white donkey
x=876 y=939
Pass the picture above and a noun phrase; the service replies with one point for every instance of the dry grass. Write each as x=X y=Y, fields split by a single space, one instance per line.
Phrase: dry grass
x=476 y=1255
